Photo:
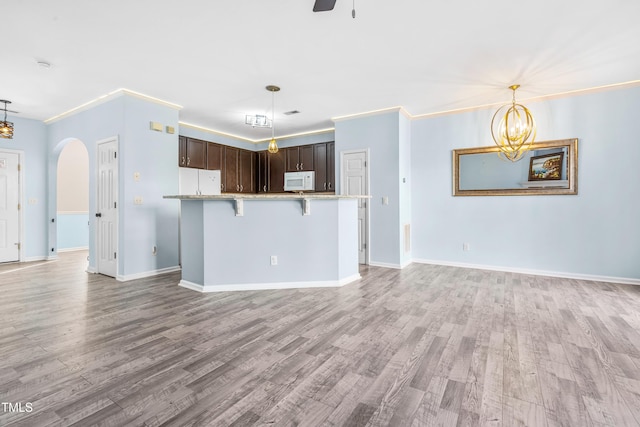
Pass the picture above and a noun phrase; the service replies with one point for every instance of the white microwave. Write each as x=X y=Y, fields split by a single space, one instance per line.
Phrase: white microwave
x=299 y=181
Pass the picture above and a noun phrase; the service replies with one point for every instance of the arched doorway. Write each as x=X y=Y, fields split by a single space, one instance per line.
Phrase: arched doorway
x=72 y=196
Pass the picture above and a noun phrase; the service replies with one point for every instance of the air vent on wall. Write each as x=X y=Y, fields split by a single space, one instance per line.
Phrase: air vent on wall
x=292 y=112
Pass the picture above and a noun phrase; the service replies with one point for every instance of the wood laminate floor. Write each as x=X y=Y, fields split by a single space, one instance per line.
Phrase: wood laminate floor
x=427 y=345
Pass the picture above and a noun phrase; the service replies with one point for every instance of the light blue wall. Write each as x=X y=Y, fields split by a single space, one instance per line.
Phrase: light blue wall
x=216 y=137
x=300 y=140
x=30 y=138
x=153 y=154
x=90 y=126
x=73 y=230
x=232 y=250
x=594 y=233
x=236 y=142
x=380 y=134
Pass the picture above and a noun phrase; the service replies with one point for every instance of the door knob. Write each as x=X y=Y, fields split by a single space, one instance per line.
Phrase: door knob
x=98 y=215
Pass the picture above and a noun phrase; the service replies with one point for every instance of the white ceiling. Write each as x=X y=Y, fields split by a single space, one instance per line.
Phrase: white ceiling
x=214 y=58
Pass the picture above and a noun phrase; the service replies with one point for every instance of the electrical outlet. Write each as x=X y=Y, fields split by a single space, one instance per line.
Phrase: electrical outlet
x=154 y=250
x=137 y=200
x=274 y=260
x=466 y=247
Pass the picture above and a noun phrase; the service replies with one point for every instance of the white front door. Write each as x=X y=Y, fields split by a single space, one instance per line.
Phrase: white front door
x=9 y=207
x=107 y=208
x=355 y=183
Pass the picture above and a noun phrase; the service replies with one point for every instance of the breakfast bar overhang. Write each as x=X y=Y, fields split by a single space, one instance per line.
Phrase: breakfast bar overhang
x=234 y=242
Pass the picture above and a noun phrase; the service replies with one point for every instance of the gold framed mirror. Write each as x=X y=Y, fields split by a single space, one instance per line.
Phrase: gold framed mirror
x=549 y=167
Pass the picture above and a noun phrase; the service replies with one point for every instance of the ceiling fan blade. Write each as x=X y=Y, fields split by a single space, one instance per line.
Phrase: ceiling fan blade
x=323 y=5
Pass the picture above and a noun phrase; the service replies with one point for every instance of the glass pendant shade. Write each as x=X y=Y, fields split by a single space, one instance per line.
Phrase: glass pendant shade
x=273 y=146
x=513 y=129
x=6 y=128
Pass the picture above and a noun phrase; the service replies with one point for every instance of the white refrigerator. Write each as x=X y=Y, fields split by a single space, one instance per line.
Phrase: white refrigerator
x=196 y=182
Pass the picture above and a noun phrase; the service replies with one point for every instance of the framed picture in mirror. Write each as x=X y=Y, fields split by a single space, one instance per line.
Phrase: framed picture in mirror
x=546 y=167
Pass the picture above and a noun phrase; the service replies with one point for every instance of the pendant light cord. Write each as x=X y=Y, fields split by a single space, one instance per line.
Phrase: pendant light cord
x=273 y=123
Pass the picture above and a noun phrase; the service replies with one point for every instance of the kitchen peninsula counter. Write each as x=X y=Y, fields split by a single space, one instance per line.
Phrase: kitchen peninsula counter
x=273 y=241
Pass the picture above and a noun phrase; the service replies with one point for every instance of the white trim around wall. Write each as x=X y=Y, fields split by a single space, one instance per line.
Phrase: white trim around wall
x=79 y=248
x=268 y=286
x=590 y=277
x=127 y=277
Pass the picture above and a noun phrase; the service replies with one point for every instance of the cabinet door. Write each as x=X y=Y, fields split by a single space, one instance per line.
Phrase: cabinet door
x=261 y=171
x=182 y=151
x=276 y=165
x=215 y=155
x=305 y=157
x=231 y=183
x=320 y=164
x=196 y=153
x=291 y=159
x=331 y=166
x=246 y=166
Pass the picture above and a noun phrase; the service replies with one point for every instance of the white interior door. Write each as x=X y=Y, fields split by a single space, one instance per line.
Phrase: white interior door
x=9 y=207
x=107 y=208
x=355 y=182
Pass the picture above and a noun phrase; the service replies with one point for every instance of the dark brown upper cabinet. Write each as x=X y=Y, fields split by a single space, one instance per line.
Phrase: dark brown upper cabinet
x=276 y=169
x=239 y=171
x=192 y=153
x=215 y=156
x=262 y=172
x=299 y=158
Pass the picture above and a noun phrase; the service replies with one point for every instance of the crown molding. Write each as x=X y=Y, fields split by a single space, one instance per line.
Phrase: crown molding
x=108 y=97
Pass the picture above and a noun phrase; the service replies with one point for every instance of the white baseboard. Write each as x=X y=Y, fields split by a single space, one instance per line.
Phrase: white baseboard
x=590 y=277
x=79 y=248
x=52 y=257
x=268 y=286
x=126 y=278
x=386 y=265
x=35 y=258
x=91 y=269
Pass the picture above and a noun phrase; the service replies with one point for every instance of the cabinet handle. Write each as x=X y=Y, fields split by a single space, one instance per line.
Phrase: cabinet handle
x=188 y=161
x=265 y=188
x=237 y=187
x=329 y=186
x=221 y=187
x=241 y=187
x=297 y=166
x=301 y=167
x=325 y=185
x=182 y=160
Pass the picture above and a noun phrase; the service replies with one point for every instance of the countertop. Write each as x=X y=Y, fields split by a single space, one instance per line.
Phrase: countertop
x=246 y=196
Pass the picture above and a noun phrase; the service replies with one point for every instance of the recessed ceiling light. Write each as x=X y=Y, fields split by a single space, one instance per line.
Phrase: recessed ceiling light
x=44 y=64
x=289 y=113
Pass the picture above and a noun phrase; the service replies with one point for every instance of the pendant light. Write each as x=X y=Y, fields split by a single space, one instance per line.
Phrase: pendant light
x=513 y=129
x=273 y=146
x=6 y=128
